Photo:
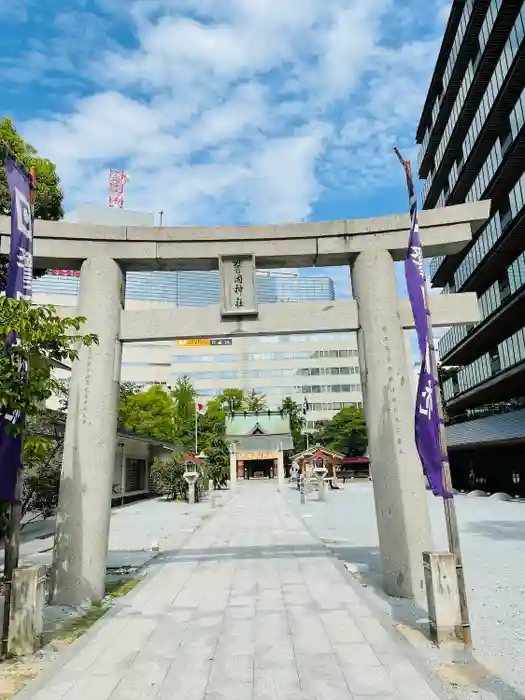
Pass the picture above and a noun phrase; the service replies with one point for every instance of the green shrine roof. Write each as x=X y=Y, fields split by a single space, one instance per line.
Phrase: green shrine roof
x=259 y=432
x=262 y=424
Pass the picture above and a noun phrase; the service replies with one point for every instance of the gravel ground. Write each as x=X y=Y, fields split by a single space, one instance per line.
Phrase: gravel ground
x=493 y=544
x=134 y=529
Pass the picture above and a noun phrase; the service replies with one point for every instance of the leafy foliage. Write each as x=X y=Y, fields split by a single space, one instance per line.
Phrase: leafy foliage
x=42 y=461
x=167 y=476
x=48 y=195
x=297 y=422
x=255 y=401
x=345 y=433
x=230 y=400
x=150 y=413
x=171 y=417
x=43 y=338
x=213 y=443
x=183 y=398
x=4 y=264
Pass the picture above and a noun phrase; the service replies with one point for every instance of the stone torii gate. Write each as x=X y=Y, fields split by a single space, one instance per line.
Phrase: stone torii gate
x=370 y=246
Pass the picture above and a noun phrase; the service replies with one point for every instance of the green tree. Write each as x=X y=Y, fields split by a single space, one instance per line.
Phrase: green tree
x=254 y=401
x=216 y=410
x=211 y=429
x=231 y=400
x=297 y=422
x=214 y=445
x=183 y=396
x=43 y=338
x=150 y=413
x=345 y=433
x=48 y=195
x=42 y=460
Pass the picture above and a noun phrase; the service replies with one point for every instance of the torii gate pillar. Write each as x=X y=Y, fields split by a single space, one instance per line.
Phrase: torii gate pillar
x=399 y=488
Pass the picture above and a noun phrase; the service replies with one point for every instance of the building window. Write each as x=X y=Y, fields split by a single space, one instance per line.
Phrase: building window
x=505 y=213
x=495 y=361
x=504 y=287
x=505 y=135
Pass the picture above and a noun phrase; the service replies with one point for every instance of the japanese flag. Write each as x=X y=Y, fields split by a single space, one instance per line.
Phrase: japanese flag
x=201 y=408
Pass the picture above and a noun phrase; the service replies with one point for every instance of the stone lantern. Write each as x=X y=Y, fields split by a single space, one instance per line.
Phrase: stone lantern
x=320 y=471
x=191 y=475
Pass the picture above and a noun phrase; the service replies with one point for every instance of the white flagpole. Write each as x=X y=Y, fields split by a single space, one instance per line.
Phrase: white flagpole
x=196 y=429
x=305 y=412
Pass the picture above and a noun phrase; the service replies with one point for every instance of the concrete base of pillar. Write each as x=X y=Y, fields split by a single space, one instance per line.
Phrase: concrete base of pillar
x=444 y=609
x=26 y=620
x=322 y=490
x=191 y=494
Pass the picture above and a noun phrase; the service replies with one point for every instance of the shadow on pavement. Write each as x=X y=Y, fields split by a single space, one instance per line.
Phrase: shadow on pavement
x=284 y=551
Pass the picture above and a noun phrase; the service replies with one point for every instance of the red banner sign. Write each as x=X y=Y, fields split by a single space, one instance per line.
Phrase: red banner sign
x=65 y=273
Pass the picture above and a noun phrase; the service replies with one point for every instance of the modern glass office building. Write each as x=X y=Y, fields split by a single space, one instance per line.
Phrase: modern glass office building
x=323 y=367
x=472 y=146
x=187 y=288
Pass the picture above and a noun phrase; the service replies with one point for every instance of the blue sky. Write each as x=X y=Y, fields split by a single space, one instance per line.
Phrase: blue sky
x=224 y=112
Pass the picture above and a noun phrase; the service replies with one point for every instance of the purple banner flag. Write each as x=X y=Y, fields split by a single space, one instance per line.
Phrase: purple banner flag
x=427 y=420
x=19 y=286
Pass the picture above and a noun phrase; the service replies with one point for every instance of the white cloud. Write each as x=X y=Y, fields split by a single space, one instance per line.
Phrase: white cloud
x=239 y=111
x=443 y=12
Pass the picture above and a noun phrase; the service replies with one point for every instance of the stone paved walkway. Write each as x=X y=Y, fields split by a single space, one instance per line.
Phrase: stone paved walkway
x=251 y=608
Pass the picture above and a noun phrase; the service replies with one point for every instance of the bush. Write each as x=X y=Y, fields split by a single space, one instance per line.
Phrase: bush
x=220 y=474
x=40 y=490
x=41 y=478
x=168 y=479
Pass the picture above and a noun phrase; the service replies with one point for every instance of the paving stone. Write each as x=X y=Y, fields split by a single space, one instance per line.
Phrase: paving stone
x=143 y=681
x=321 y=677
x=368 y=680
x=94 y=687
x=276 y=679
x=250 y=608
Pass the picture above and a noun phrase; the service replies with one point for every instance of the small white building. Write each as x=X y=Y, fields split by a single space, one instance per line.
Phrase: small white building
x=134 y=455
